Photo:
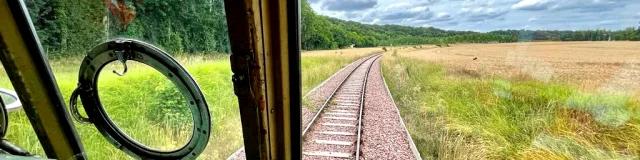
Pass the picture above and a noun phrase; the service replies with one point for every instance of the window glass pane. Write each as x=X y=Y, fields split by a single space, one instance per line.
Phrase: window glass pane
x=494 y=79
x=143 y=103
x=479 y=79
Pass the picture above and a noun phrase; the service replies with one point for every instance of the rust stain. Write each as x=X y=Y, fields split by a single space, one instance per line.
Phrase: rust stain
x=262 y=104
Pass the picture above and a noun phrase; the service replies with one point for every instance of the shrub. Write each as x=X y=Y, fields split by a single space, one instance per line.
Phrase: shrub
x=384 y=48
x=171 y=110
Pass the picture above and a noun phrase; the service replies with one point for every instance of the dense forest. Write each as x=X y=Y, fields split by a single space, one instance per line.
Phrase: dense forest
x=199 y=26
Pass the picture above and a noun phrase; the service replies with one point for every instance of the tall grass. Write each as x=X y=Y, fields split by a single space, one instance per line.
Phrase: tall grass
x=143 y=103
x=451 y=117
x=318 y=66
x=130 y=98
x=317 y=69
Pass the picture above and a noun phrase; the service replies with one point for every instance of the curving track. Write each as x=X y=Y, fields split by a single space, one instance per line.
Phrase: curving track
x=335 y=131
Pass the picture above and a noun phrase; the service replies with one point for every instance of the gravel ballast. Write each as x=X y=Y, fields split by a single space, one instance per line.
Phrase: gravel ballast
x=384 y=134
x=316 y=97
x=344 y=109
x=319 y=95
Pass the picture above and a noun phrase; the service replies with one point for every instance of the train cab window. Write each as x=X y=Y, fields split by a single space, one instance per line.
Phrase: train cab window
x=158 y=72
x=321 y=79
x=479 y=79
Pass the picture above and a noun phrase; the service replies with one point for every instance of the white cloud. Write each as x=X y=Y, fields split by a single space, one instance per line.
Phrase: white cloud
x=403 y=5
x=443 y=14
x=478 y=3
x=348 y=5
x=397 y=13
x=441 y=17
x=375 y=21
x=532 y=5
x=464 y=10
x=607 y=22
x=481 y=13
x=487 y=15
x=569 y=5
x=419 y=9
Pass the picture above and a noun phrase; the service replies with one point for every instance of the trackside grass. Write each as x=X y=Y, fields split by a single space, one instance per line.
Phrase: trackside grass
x=464 y=117
x=322 y=68
x=317 y=66
x=143 y=103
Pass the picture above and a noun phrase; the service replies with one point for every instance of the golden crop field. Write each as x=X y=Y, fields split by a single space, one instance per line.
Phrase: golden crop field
x=594 y=66
x=349 y=52
x=537 y=100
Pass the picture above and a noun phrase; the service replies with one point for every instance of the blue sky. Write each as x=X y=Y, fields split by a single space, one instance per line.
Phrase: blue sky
x=487 y=15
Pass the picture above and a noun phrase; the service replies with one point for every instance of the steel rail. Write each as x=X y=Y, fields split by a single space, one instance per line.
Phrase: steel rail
x=364 y=89
x=332 y=94
x=362 y=97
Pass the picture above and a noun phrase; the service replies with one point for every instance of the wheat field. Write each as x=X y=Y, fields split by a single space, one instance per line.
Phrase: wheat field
x=541 y=100
x=591 y=65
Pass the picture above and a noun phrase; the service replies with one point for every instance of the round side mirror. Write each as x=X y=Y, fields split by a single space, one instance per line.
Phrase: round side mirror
x=10 y=98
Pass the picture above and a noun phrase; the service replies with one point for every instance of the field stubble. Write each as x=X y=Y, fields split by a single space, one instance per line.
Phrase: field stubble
x=590 y=65
x=545 y=100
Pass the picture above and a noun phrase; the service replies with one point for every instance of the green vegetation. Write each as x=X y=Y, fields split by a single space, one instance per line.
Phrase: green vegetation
x=73 y=27
x=317 y=69
x=199 y=26
x=450 y=118
x=131 y=101
x=629 y=33
x=145 y=104
x=322 y=32
x=457 y=117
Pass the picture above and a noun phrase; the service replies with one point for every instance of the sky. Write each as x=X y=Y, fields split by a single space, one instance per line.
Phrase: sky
x=487 y=15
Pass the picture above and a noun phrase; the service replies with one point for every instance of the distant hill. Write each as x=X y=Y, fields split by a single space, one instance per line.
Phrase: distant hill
x=322 y=32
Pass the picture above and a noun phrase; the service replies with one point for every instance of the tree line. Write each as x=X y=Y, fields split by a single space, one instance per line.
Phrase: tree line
x=627 y=34
x=68 y=27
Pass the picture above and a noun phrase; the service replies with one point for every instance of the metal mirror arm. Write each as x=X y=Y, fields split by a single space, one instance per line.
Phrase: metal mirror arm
x=10 y=148
x=5 y=145
x=122 y=50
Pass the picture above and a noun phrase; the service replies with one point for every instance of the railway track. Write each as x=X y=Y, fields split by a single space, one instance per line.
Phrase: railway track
x=335 y=131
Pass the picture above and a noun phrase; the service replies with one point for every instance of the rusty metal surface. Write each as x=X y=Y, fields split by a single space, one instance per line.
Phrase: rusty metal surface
x=265 y=57
x=245 y=35
x=283 y=89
